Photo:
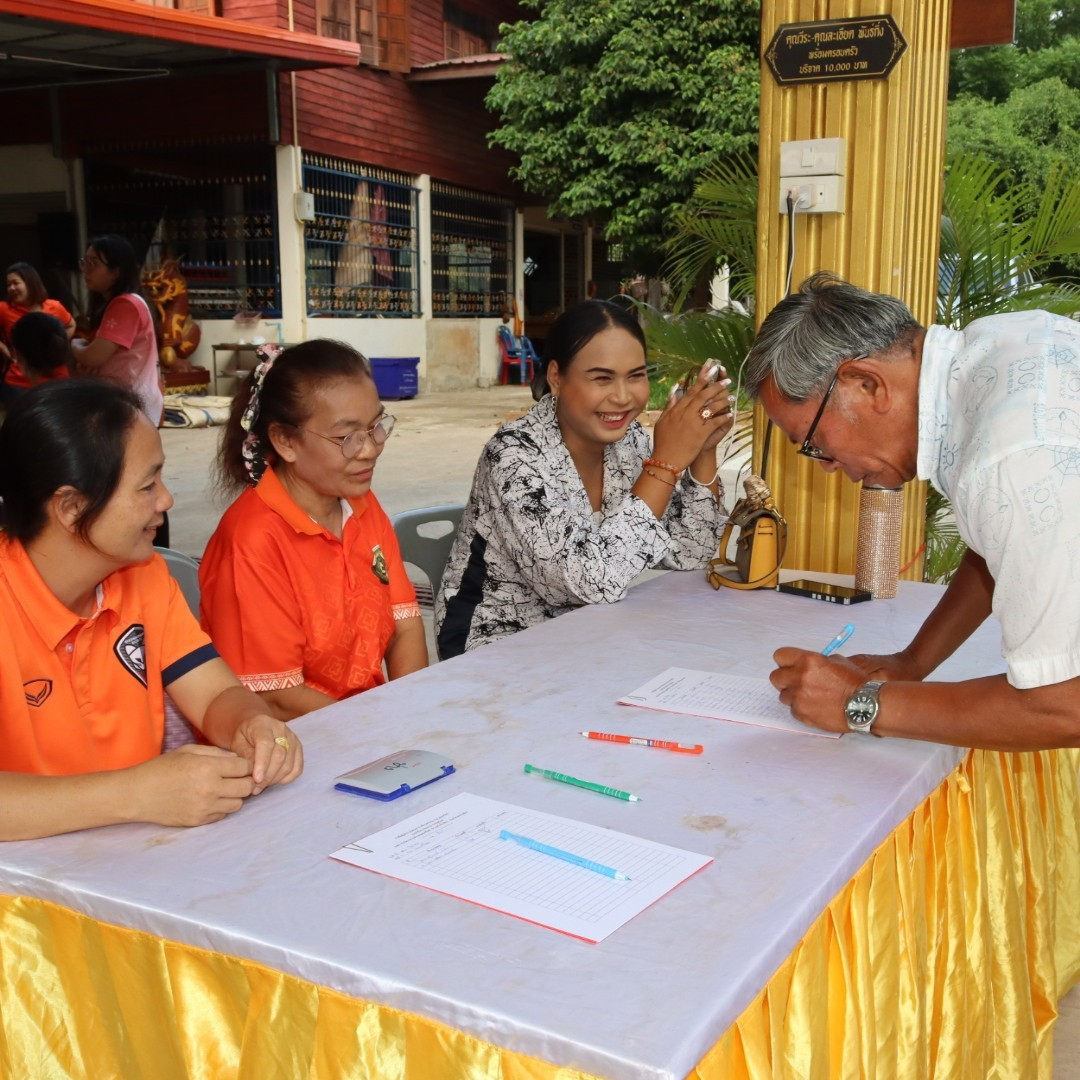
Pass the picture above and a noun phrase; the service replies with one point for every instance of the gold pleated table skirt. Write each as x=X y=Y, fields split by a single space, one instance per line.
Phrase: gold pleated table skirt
x=944 y=957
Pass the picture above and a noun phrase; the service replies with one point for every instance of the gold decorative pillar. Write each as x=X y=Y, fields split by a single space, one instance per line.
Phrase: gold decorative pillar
x=886 y=239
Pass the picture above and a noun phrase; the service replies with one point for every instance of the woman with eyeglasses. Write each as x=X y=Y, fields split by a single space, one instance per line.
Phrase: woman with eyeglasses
x=124 y=343
x=303 y=588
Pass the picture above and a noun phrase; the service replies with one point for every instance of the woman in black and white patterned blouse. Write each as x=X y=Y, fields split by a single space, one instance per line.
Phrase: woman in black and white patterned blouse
x=568 y=503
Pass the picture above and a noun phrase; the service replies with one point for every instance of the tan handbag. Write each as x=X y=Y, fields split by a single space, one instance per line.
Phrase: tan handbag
x=759 y=550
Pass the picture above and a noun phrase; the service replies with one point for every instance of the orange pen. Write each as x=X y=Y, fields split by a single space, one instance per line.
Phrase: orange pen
x=633 y=740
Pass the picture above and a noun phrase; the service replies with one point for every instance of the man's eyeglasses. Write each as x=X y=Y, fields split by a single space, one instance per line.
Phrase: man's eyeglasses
x=808 y=449
x=352 y=445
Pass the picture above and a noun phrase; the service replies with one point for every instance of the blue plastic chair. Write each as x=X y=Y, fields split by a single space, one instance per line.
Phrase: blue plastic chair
x=516 y=353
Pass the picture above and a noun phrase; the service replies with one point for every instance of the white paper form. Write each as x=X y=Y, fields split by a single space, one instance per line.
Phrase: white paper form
x=721 y=697
x=454 y=848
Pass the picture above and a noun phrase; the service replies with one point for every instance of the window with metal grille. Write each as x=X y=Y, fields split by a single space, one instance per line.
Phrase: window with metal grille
x=361 y=249
x=220 y=221
x=472 y=252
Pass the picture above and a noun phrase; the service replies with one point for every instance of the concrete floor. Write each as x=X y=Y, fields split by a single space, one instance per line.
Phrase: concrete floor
x=430 y=460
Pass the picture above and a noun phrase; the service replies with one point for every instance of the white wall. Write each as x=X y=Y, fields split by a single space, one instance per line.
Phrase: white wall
x=454 y=353
x=31 y=168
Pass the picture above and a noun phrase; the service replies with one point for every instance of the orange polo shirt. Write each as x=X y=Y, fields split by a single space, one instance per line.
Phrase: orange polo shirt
x=288 y=604
x=86 y=695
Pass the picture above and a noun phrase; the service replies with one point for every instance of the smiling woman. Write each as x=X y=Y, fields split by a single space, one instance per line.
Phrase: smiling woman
x=93 y=631
x=568 y=505
x=303 y=586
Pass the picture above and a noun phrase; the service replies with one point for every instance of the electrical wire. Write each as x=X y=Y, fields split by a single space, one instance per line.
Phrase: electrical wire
x=119 y=74
x=791 y=242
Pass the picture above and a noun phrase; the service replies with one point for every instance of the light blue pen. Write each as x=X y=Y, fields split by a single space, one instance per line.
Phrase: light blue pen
x=566 y=856
x=838 y=640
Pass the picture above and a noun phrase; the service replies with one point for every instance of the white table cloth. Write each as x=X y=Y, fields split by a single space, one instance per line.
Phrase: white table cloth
x=788 y=819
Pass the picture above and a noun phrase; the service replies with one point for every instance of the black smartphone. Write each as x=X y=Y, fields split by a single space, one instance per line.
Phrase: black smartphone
x=820 y=590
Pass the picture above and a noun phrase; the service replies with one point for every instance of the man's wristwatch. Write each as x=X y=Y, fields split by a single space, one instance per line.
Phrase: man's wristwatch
x=862 y=708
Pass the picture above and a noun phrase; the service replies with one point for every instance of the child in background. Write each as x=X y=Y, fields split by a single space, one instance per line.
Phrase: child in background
x=40 y=348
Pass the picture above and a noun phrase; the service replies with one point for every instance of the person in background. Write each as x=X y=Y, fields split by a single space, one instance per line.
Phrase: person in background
x=303 y=587
x=40 y=348
x=25 y=295
x=569 y=504
x=93 y=631
x=124 y=345
x=989 y=415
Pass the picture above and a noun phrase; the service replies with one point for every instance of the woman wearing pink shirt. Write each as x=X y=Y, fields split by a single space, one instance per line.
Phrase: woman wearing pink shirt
x=124 y=346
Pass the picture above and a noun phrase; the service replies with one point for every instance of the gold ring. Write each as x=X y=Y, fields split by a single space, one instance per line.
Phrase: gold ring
x=282 y=742
x=706 y=413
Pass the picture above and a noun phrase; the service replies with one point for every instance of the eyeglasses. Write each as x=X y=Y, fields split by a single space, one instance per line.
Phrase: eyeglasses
x=90 y=262
x=808 y=449
x=352 y=445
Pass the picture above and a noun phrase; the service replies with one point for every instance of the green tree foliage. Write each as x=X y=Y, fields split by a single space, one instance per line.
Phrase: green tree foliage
x=718 y=225
x=1020 y=104
x=614 y=107
x=1036 y=127
x=1047 y=46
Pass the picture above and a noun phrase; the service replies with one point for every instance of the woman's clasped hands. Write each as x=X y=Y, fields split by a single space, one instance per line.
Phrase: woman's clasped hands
x=195 y=784
x=695 y=420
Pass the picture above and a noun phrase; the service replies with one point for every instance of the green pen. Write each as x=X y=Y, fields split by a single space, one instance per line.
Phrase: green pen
x=615 y=793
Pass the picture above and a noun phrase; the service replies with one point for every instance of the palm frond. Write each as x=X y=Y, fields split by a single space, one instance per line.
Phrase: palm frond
x=680 y=344
x=944 y=548
x=718 y=226
x=999 y=239
x=1054 y=228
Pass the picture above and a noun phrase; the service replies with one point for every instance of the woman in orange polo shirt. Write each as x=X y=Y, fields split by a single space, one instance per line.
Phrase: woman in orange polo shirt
x=303 y=587
x=93 y=630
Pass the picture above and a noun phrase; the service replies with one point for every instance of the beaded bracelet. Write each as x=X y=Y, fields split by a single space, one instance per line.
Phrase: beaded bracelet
x=657 y=464
x=659 y=479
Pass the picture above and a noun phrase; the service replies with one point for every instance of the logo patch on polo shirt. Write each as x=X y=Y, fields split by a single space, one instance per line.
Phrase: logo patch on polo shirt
x=37 y=691
x=130 y=649
x=378 y=565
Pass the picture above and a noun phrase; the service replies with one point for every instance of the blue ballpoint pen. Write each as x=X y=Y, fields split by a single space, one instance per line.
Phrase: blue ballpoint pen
x=566 y=856
x=838 y=640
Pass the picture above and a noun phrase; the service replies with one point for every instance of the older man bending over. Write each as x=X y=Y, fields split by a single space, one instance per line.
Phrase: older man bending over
x=991 y=416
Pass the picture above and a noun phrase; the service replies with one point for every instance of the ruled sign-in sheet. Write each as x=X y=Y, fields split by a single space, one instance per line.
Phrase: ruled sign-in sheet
x=455 y=848
x=736 y=698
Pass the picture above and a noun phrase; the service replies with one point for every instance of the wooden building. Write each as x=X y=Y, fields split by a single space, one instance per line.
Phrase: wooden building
x=323 y=162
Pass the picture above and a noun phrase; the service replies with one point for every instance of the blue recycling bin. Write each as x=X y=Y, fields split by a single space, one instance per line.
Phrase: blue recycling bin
x=396 y=376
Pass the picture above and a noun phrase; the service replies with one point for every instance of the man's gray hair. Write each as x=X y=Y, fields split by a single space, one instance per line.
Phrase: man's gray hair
x=808 y=334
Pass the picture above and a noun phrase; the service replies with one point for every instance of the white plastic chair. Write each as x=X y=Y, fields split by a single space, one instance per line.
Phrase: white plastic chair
x=185 y=572
x=425 y=536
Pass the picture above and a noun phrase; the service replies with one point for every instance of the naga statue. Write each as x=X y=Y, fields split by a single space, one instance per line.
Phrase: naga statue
x=177 y=333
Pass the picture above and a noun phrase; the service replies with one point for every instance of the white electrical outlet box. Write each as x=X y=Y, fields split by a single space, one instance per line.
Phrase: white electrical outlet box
x=303 y=206
x=813 y=194
x=813 y=157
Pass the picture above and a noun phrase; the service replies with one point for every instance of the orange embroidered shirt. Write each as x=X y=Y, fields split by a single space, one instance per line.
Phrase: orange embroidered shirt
x=288 y=604
x=85 y=695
